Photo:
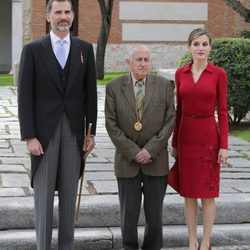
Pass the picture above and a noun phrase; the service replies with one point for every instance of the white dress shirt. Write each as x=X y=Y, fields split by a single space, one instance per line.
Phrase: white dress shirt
x=135 y=85
x=55 y=43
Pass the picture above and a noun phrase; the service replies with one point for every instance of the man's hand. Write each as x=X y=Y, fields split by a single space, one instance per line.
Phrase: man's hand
x=90 y=146
x=34 y=147
x=143 y=157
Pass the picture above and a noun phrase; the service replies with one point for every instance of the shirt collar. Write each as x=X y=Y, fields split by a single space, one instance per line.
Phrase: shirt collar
x=54 y=38
x=134 y=80
x=209 y=68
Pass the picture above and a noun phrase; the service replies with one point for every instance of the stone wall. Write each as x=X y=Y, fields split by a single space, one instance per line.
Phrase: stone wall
x=163 y=56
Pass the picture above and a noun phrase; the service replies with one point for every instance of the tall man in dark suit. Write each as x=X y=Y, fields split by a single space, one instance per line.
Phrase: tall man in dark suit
x=140 y=116
x=56 y=97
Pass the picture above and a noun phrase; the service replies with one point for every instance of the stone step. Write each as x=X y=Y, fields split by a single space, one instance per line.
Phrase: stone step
x=110 y=237
x=103 y=210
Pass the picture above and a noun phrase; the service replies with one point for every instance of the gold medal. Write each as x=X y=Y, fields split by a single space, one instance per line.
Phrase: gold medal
x=138 y=126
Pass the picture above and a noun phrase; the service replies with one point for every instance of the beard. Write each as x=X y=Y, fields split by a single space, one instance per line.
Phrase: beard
x=63 y=27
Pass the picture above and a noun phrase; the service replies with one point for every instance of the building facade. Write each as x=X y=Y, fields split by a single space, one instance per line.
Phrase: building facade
x=163 y=25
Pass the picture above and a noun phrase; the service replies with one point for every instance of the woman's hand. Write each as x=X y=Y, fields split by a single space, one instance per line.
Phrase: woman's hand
x=222 y=157
x=174 y=152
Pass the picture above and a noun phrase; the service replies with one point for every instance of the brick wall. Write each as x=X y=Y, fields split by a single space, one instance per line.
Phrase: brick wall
x=38 y=18
x=221 y=21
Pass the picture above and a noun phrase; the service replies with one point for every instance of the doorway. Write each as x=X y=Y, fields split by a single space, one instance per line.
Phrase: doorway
x=5 y=36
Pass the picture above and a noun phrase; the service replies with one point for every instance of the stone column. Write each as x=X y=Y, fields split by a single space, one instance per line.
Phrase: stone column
x=21 y=31
x=17 y=30
x=27 y=11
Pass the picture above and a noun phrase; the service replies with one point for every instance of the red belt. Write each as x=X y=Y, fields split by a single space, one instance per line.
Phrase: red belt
x=198 y=116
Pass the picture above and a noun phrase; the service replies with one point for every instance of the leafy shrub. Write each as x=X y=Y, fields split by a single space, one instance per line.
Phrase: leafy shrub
x=232 y=54
x=245 y=34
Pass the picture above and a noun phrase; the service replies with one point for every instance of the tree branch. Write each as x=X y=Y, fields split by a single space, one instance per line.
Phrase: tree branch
x=103 y=9
x=110 y=8
x=239 y=8
x=106 y=11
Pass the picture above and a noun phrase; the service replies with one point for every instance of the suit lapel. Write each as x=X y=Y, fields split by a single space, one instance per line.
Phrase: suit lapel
x=128 y=91
x=74 y=61
x=150 y=88
x=49 y=61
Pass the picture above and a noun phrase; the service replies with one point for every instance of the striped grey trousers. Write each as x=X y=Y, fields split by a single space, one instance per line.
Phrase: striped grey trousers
x=61 y=164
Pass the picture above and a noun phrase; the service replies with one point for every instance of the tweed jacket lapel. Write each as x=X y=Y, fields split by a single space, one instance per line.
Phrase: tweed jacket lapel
x=150 y=88
x=129 y=92
x=49 y=61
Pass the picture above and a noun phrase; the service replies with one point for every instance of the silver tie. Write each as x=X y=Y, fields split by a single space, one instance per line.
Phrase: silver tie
x=60 y=53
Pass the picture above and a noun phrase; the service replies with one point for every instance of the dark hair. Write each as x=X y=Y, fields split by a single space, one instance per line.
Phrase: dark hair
x=197 y=33
x=50 y=2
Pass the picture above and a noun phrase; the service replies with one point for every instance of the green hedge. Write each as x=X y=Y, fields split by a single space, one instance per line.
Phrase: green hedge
x=232 y=54
x=245 y=34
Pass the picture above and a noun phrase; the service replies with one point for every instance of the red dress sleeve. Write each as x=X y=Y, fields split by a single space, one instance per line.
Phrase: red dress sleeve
x=222 y=109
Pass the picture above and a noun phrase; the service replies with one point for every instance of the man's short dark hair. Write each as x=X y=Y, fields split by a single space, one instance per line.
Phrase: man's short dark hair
x=50 y=2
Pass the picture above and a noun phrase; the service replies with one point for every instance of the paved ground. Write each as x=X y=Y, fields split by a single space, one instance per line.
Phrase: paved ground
x=99 y=177
x=217 y=248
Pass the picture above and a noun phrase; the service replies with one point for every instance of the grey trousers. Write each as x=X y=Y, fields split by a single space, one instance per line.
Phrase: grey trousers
x=130 y=190
x=60 y=163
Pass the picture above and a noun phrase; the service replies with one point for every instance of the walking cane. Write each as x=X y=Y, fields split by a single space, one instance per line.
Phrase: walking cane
x=86 y=142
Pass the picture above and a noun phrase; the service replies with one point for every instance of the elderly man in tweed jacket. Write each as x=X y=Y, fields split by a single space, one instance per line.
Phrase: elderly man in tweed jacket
x=140 y=128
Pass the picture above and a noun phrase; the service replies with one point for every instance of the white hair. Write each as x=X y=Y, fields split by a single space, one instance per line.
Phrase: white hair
x=132 y=51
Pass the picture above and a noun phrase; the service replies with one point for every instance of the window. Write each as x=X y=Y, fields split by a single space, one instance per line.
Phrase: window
x=74 y=27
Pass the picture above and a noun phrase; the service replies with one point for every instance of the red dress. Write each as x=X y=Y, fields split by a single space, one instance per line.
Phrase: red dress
x=197 y=135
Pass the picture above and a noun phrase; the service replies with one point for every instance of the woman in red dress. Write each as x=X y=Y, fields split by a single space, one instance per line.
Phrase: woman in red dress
x=198 y=142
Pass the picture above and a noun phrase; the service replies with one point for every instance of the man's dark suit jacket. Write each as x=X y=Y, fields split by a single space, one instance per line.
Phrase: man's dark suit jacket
x=42 y=99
